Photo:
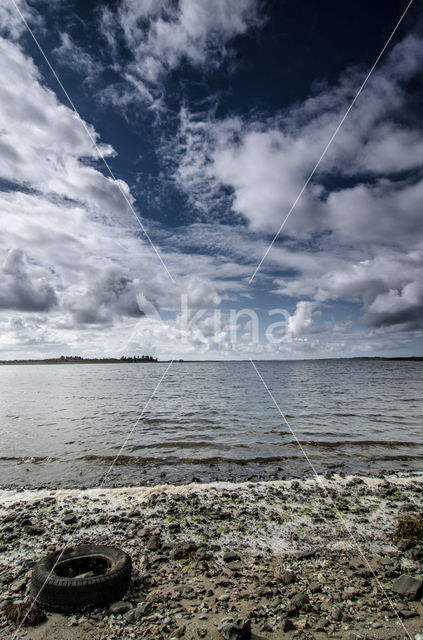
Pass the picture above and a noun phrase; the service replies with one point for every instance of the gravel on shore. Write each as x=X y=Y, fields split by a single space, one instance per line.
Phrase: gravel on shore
x=298 y=559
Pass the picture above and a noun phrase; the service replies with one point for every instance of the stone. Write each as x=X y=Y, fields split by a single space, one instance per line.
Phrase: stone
x=154 y=543
x=349 y=593
x=33 y=530
x=231 y=556
x=120 y=606
x=143 y=608
x=19 y=585
x=287 y=625
x=299 y=599
x=69 y=518
x=409 y=586
x=315 y=587
x=406 y=613
x=321 y=624
x=336 y=614
x=131 y=616
x=182 y=550
x=238 y=630
x=288 y=577
x=185 y=590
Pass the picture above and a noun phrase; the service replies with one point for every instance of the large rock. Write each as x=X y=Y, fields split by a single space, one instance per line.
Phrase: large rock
x=410 y=586
x=238 y=630
x=182 y=550
x=154 y=543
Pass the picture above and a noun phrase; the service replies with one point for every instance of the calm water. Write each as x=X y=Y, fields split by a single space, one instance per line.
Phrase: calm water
x=63 y=425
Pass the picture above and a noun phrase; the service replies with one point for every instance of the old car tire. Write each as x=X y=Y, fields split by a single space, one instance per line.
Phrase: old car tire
x=53 y=589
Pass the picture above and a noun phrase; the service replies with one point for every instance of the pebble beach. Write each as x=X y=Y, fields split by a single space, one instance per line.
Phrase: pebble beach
x=292 y=559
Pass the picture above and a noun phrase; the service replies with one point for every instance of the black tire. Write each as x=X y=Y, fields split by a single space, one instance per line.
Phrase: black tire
x=56 y=592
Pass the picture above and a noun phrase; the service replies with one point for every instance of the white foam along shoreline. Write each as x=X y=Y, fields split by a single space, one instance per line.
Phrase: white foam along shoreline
x=140 y=493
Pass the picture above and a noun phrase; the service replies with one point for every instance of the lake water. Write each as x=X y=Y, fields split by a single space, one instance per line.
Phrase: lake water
x=63 y=425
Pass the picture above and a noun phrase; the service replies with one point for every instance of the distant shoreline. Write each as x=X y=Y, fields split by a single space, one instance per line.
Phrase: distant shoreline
x=155 y=361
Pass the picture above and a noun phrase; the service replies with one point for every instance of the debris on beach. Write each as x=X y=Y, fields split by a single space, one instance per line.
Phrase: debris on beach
x=24 y=613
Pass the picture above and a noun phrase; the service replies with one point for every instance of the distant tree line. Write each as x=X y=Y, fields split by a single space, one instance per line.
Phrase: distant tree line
x=138 y=359
x=122 y=359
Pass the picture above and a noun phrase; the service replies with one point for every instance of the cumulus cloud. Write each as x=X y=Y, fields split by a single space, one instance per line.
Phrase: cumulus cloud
x=43 y=143
x=77 y=274
x=302 y=319
x=265 y=161
x=112 y=294
x=358 y=239
x=22 y=291
x=388 y=285
x=404 y=306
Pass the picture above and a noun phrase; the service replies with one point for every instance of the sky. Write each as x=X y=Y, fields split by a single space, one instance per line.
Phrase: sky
x=151 y=150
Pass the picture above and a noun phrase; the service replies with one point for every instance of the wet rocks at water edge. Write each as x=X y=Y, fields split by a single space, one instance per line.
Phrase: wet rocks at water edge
x=261 y=560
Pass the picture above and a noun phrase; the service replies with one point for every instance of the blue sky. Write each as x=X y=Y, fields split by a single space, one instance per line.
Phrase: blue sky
x=210 y=116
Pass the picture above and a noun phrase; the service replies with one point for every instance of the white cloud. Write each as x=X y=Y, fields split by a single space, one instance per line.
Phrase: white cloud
x=361 y=242
x=397 y=306
x=75 y=265
x=162 y=36
x=388 y=285
x=43 y=143
x=302 y=320
x=21 y=290
x=11 y=23
x=265 y=161
x=69 y=54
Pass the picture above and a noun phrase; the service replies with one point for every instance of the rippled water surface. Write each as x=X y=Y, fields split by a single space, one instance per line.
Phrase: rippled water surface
x=63 y=425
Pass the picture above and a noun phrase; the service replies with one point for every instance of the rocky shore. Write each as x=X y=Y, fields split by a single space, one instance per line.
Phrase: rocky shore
x=288 y=559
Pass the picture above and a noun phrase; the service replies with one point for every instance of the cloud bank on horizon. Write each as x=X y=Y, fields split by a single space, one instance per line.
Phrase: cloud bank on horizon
x=211 y=156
